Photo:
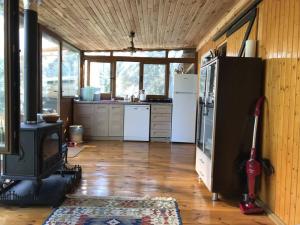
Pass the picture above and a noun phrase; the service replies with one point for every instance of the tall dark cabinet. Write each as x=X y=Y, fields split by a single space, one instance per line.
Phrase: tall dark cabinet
x=229 y=88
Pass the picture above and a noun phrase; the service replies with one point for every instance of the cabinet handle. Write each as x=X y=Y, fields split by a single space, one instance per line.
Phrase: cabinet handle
x=201 y=160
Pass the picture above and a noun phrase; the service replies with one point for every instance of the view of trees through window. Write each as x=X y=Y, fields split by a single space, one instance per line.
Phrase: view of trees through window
x=50 y=74
x=127 y=78
x=100 y=76
x=70 y=71
x=2 y=76
x=154 y=79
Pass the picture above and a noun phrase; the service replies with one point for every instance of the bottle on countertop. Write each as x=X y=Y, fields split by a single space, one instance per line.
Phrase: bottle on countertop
x=142 y=95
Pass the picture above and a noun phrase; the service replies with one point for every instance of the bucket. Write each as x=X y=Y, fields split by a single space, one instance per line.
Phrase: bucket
x=76 y=133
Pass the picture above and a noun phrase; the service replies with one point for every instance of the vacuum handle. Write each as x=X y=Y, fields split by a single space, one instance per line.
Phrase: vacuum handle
x=259 y=103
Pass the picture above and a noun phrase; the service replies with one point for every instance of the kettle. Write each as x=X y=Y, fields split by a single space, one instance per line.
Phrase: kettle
x=142 y=95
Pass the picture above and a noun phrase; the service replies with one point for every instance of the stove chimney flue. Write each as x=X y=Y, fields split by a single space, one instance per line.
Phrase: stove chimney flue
x=30 y=60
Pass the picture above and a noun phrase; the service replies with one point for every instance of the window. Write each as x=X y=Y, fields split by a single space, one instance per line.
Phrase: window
x=2 y=77
x=127 y=78
x=186 y=68
x=97 y=53
x=186 y=53
x=85 y=75
x=154 y=54
x=9 y=77
x=70 y=71
x=100 y=76
x=50 y=74
x=154 y=79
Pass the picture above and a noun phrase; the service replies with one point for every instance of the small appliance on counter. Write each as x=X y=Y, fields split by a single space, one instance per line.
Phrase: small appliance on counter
x=142 y=96
x=87 y=93
x=90 y=94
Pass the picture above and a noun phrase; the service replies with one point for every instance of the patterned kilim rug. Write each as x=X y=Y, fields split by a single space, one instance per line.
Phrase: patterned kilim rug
x=116 y=211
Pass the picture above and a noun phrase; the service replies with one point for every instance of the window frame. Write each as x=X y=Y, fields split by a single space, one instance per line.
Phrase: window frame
x=89 y=75
x=59 y=94
x=11 y=77
x=143 y=60
x=140 y=83
x=70 y=47
x=165 y=64
x=44 y=30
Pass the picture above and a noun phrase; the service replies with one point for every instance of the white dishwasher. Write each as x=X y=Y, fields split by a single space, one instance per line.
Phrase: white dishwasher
x=136 y=122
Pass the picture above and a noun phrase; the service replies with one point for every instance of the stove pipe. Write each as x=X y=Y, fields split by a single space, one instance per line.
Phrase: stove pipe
x=30 y=61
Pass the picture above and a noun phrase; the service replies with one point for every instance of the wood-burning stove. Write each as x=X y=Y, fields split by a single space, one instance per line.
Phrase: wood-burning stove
x=40 y=152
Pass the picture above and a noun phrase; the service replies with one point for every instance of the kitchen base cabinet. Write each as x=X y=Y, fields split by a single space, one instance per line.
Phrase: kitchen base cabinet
x=116 y=121
x=161 y=116
x=100 y=125
x=100 y=121
x=83 y=114
x=104 y=121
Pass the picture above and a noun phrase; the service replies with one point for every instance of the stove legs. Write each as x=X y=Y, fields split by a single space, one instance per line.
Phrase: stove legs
x=37 y=186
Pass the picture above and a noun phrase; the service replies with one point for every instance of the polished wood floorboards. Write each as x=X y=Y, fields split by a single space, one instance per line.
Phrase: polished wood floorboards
x=114 y=168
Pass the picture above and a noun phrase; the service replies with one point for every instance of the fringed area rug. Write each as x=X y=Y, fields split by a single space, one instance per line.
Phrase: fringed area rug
x=116 y=211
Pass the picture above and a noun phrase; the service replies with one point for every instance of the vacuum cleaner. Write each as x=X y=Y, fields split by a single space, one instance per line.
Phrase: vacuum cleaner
x=253 y=170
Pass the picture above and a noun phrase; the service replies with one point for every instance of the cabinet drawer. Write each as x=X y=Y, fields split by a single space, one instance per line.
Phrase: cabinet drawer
x=101 y=108
x=116 y=120
x=83 y=109
x=160 y=126
x=161 y=117
x=161 y=109
x=161 y=133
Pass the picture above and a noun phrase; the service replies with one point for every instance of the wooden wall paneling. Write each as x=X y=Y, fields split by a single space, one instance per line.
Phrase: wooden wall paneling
x=295 y=208
x=291 y=109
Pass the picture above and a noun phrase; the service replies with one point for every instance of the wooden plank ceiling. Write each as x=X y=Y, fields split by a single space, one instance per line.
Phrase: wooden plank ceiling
x=105 y=24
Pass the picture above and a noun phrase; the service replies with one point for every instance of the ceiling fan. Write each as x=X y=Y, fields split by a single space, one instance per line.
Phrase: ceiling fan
x=131 y=48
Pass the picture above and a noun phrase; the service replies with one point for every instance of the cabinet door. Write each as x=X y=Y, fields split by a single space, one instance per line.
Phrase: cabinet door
x=83 y=116
x=100 y=120
x=116 y=120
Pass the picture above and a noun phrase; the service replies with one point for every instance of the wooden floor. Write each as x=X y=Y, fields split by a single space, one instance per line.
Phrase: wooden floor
x=141 y=169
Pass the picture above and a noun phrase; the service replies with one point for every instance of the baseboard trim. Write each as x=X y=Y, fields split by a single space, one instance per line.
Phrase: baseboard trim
x=270 y=213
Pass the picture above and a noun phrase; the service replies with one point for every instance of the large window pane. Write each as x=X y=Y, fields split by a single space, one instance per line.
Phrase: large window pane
x=127 y=78
x=70 y=71
x=186 y=68
x=186 y=53
x=50 y=74
x=154 y=79
x=154 y=54
x=100 y=76
x=2 y=77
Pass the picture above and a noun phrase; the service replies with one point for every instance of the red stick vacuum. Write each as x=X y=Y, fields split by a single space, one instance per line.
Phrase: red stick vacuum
x=253 y=169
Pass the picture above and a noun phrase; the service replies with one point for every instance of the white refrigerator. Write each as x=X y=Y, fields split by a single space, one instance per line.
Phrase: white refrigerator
x=184 y=108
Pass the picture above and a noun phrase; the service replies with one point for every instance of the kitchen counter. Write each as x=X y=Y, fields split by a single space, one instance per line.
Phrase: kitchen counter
x=104 y=120
x=121 y=102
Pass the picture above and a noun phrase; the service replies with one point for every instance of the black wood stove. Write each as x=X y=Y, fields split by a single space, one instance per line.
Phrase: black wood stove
x=40 y=152
x=38 y=175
